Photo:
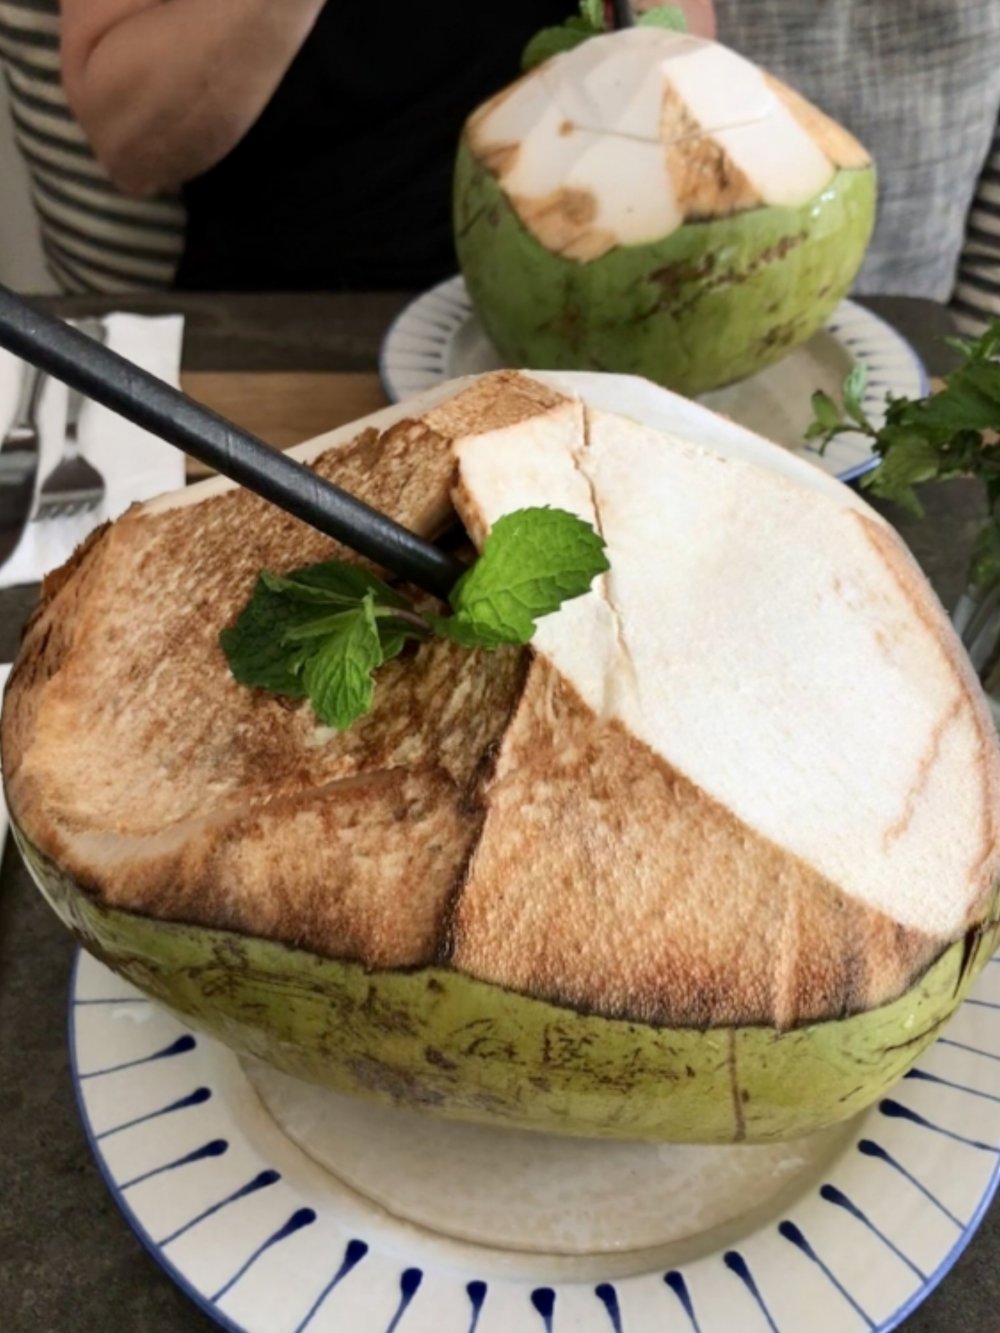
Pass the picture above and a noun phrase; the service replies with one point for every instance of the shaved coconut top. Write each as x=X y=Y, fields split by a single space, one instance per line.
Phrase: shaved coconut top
x=748 y=778
x=776 y=646
x=627 y=136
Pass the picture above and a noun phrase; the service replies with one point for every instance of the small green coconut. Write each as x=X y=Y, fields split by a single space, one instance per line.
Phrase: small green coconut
x=653 y=203
x=711 y=860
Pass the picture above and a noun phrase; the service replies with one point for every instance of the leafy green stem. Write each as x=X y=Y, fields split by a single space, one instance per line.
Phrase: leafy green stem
x=320 y=632
x=399 y=618
x=592 y=22
x=950 y=433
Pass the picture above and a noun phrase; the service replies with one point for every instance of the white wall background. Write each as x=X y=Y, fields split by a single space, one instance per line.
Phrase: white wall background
x=21 y=264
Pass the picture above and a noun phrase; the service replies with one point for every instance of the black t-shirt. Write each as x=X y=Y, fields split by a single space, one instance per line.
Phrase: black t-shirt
x=344 y=181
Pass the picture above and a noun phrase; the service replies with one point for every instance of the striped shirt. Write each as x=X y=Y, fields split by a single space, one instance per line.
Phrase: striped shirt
x=977 y=293
x=95 y=239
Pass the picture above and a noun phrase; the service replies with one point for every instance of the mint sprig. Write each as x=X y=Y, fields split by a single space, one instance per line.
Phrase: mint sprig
x=591 y=22
x=321 y=632
x=950 y=433
x=509 y=587
x=337 y=674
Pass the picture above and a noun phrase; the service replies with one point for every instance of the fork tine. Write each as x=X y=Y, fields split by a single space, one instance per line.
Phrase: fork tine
x=67 y=504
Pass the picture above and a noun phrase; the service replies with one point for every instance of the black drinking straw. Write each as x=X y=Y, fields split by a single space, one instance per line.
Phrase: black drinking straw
x=622 y=14
x=110 y=379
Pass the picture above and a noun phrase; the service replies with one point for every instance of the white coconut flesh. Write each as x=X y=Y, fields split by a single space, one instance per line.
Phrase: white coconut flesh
x=774 y=644
x=642 y=124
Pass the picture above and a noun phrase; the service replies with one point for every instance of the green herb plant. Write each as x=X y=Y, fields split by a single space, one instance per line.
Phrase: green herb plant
x=950 y=433
x=591 y=22
x=320 y=632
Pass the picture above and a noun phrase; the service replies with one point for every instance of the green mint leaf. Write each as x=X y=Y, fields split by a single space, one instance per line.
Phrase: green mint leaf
x=826 y=412
x=532 y=561
x=961 y=406
x=466 y=632
x=255 y=645
x=321 y=627
x=904 y=496
x=984 y=348
x=322 y=630
x=395 y=630
x=983 y=377
x=393 y=641
x=277 y=630
x=551 y=42
x=338 y=675
x=910 y=460
x=854 y=391
x=664 y=16
x=333 y=582
x=816 y=430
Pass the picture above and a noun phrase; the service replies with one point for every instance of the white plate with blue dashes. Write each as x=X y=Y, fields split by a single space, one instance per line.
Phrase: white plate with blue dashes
x=438 y=337
x=231 y=1181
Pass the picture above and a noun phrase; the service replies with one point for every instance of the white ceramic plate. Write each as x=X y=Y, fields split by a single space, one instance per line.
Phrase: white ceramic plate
x=438 y=337
x=234 y=1180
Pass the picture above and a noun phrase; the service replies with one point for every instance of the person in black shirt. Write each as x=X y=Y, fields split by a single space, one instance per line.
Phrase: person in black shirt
x=314 y=141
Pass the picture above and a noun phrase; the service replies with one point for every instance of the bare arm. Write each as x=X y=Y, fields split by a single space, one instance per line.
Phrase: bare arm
x=165 y=88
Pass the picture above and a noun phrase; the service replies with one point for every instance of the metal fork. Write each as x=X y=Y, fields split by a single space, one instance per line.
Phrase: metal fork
x=19 y=462
x=74 y=486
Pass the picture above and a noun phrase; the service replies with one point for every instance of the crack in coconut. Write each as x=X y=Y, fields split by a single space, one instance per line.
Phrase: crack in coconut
x=739 y=1123
x=626 y=681
x=567 y=93
x=785 y=965
x=605 y=132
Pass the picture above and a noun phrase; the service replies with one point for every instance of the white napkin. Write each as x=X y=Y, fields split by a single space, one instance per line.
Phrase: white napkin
x=135 y=465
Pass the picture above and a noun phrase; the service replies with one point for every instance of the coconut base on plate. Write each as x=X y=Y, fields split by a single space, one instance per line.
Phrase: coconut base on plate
x=538 y=1195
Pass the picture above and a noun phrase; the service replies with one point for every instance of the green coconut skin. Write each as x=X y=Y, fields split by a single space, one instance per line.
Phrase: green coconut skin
x=435 y=1040
x=709 y=304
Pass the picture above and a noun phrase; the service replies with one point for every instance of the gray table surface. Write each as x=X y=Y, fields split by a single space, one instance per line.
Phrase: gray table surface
x=68 y=1261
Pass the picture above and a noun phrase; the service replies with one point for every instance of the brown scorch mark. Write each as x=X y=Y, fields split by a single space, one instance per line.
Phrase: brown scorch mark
x=925 y=767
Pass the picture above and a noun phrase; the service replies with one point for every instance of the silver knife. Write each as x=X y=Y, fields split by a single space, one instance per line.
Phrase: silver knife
x=19 y=462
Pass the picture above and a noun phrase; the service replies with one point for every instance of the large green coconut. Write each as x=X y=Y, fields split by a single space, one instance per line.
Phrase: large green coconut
x=435 y=1040
x=712 y=861
x=654 y=204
